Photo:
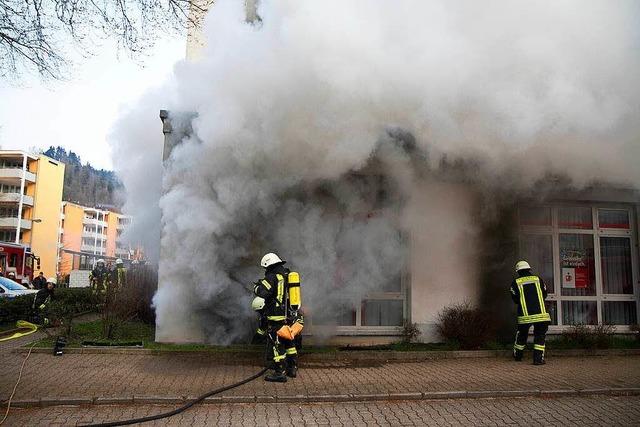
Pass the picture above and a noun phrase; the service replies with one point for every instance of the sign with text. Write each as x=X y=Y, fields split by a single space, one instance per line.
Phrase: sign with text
x=575 y=271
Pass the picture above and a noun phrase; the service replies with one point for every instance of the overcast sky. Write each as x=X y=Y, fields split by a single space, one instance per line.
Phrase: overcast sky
x=79 y=113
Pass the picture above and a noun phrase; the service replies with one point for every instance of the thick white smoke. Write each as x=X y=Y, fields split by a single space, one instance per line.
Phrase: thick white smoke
x=290 y=110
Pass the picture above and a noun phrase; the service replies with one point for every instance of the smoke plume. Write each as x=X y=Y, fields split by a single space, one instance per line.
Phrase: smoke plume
x=314 y=126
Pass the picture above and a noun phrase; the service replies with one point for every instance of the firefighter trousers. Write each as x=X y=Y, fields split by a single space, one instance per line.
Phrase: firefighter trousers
x=283 y=351
x=539 y=337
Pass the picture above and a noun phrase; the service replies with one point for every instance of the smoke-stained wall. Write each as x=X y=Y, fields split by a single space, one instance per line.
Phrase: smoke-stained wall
x=289 y=107
x=444 y=227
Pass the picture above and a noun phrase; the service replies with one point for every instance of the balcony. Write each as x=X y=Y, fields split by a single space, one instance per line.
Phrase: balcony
x=15 y=174
x=15 y=198
x=13 y=223
x=94 y=235
x=92 y=249
x=93 y=221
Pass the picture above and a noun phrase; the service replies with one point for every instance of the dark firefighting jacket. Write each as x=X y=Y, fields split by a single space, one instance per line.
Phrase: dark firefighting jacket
x=529 y=292
x=273 y=288
x=280 y=289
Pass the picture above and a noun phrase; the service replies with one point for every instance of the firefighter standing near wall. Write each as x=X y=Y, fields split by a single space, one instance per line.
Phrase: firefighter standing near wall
x=529 y=292
x=99 y=278
x=280 y=290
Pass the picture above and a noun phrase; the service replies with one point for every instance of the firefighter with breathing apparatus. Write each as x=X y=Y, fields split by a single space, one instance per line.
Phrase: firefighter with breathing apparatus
x=99 y=278
x=529 y=292
x=278 y=300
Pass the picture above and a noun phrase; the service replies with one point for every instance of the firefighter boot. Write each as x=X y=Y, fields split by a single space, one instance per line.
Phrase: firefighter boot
x=517 y=355
x=292 y=366
x=538 y=357
x=277 y=376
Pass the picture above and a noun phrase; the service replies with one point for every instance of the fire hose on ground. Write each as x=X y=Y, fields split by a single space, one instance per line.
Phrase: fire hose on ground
x=183 y=407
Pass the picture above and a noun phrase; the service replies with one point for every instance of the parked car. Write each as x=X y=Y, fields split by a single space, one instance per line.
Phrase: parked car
x=11 y=289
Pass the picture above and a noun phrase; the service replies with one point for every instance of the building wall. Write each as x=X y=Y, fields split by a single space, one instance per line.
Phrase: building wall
x=443 y=251
x=71 y=238
x=47 y=199
x=112 y=225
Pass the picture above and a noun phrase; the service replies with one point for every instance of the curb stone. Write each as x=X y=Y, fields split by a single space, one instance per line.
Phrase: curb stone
x=435 y=395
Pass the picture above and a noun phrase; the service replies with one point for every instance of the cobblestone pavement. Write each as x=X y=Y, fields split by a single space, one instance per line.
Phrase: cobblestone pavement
x=568 y=411
x=173 y=375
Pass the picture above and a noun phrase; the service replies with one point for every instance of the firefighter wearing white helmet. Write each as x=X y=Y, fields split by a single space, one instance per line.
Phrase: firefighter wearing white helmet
x=280 y=290
x=257 y=305
x=528 y=292
x=118 y=275
x=99 y=278
x=41 y=301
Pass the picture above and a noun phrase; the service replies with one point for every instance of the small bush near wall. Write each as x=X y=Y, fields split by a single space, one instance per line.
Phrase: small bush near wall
x=465 y=327
x=583 y=336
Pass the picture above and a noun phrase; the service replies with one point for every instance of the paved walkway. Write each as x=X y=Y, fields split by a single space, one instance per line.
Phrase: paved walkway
x=169 y=375
x=568 y=411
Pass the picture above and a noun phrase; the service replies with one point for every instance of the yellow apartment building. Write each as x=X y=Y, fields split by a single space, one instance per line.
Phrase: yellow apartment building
x=88 y=234
x=30 y=196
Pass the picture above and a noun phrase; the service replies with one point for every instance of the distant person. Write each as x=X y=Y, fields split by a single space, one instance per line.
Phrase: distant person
x=40 y=282
x=41 y=301
x=12 y=276
x=119 y=275
x=528 y=291
x=99 y=278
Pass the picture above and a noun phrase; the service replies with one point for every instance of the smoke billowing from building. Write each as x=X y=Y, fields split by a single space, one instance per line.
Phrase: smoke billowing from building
x=315 y=126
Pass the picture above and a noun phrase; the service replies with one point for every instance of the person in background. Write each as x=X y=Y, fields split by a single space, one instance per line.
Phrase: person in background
x=40 y=282
x=119 y=275
x=41 y=301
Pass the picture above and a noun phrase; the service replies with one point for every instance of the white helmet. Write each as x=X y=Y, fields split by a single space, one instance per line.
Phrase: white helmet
x=52 y=280
x=257 y=303
x=270 y=259
x=522 y=265
x=134 y=262
x=100 y=261
x=119 y=261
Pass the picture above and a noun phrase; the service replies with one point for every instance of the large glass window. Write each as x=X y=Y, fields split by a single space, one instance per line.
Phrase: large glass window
x=585 y=312
x=382 y=313
x=589 y=267
x=613 y=218
x=575 y=217
x=619 y=312
x=535 y=216
x=615 y=256
x=538 y=250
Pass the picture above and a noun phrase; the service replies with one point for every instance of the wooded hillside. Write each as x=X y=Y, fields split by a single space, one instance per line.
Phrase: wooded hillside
x=85 y=185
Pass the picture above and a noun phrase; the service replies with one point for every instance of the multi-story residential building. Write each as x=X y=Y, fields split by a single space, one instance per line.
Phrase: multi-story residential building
x=88 y=234
x=30 y=196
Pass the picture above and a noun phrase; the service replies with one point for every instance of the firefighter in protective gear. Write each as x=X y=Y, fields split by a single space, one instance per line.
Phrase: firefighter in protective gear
x=257 y=305
x=119 y=275
x=280 y=290
x=528 y=291
x=41 y=301
x=99 y=278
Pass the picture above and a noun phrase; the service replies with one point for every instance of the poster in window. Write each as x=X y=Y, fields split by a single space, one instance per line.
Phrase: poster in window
x=575 y=274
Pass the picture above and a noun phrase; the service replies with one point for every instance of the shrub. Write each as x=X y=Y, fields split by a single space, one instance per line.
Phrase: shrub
x=465 y=327
x=581 y=335
x=410 y=332
x=14 y=309
x=68 y=303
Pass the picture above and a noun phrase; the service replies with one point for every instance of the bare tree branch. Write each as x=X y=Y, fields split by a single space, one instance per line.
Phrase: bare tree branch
x=36 y=34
